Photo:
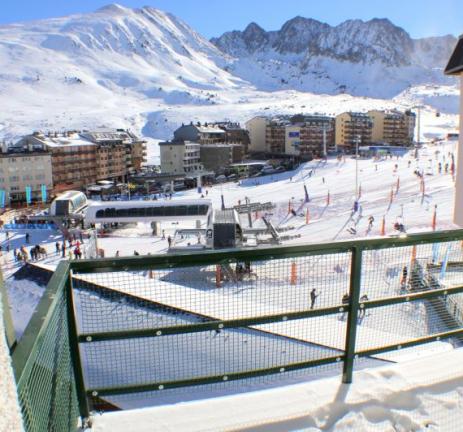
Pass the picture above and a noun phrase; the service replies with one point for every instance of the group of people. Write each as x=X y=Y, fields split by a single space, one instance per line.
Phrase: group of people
x=73 y=249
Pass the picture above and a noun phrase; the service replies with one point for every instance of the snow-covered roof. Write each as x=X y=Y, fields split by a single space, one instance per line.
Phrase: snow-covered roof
x=73 y=139
x=210 y=129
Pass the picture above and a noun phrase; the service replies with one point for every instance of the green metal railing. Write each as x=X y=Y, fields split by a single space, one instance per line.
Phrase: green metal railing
x=107 y=329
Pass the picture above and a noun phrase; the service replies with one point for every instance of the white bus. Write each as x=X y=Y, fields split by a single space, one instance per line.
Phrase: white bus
x=147 y=211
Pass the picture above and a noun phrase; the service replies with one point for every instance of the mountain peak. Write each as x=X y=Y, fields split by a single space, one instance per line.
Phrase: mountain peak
x=113 y=8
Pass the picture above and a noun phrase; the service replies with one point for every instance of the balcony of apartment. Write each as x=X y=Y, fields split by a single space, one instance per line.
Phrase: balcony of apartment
x=79 y=360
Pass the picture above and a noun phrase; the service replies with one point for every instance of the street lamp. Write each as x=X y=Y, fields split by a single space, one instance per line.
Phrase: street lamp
x=357 y=141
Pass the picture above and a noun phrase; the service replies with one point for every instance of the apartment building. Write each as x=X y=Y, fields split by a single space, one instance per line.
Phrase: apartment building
x=181 y=157
x=82 y=158
x=307 y=135
x=24 y=166
x=234 y=134
x=275 y=135
x=352 y=128
x=134 y=148
x=393 y=127
x=201 y=134
x=256 y=128
x=216 y=157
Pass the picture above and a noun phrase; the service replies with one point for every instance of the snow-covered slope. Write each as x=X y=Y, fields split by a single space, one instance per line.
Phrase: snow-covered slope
x=115 y=56
x=353 y=57
x=146 y=70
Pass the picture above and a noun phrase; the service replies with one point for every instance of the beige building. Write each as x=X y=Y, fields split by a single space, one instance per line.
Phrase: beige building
x=257 y=128
x=22 y=166
x=180 y=157
x=352 y=127
x=455 y=68
x=393 y=127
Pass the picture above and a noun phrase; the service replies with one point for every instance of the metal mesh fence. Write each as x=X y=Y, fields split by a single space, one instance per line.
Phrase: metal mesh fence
x=47 y=390
x=166 y=300
x=195 y=329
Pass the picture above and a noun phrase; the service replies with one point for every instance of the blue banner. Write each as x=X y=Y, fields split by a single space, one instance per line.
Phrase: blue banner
x=44 y=193
x=28 y=194
x=2 y=198
x=435 y=252
x=444 y=264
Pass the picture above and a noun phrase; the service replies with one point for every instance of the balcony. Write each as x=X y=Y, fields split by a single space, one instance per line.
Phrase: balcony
x=174 y=328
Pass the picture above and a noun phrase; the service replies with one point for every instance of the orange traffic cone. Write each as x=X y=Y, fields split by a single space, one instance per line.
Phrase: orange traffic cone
x=434 y=218
x=293 y=273
x=413 y=259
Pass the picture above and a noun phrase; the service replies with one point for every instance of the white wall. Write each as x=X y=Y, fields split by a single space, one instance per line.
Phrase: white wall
x=458 y=213
x=256 y=128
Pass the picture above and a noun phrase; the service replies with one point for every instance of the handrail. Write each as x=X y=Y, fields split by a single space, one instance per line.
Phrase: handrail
x=61 y=284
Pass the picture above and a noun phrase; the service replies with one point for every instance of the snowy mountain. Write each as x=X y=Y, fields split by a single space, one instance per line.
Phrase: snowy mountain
x=146 y=70
x=353 y=57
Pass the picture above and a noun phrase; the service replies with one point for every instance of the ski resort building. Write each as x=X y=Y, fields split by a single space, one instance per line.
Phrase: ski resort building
x=202 y=134
x=25 y=166
x=309 y=136
x=455 y=68
x=393 y=127
x=256 y=128
x=82 y=158
x=353 y=128
x=235 y=134
x=217 y=157
x=181 y=157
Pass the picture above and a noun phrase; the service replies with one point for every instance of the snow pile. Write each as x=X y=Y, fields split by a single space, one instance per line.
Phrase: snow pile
x=412 y=396
x=10 y=417
x=24 y=296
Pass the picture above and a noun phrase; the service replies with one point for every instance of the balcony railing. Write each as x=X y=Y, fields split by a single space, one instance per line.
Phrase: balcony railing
x=119 y=330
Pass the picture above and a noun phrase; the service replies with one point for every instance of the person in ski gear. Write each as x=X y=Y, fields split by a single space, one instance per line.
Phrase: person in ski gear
x=313 y=297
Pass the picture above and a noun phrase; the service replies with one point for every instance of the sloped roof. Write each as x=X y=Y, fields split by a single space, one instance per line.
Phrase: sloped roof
x=455 y=64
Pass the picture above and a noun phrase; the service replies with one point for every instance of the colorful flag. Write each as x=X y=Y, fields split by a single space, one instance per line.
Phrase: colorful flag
x=444 y=264
x=43 y=189
x=28 y=194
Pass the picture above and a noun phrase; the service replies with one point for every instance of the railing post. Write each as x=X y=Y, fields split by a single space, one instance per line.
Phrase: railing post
x=75 y=353
x=8 y=321
x=354 y=295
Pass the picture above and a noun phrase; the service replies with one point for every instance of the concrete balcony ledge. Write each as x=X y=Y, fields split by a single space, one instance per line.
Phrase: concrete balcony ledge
x=426 y=396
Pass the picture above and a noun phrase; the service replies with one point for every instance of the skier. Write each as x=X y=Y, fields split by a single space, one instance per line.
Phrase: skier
x=117 y=254
x=169 y=241
x=58 y=248
x=356 y=206
x=163 y=234
x=313 y=297
x=371 y=219
x=136 y=253
x=27 y=237
x=403 y=281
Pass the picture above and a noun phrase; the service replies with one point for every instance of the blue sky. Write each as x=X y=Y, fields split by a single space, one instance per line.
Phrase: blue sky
x=213 y=17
